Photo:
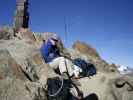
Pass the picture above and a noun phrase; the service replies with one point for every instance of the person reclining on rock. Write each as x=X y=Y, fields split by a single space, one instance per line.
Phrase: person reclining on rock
x=52 y=53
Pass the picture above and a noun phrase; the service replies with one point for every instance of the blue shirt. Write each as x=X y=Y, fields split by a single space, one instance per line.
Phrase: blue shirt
x=49 y=51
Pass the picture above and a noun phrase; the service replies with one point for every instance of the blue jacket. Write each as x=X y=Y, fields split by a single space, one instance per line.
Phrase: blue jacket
x=49 y=51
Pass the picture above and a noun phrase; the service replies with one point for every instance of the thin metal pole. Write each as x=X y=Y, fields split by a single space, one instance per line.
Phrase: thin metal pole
x=65 y=28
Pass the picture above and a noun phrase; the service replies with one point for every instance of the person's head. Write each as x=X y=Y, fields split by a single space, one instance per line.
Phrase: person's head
x=57 y=42
x=47 y=36
x=55 y=38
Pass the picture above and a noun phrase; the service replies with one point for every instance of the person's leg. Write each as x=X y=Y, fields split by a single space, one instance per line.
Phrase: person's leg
x=54 y=63
x=58 y=62
x=62 y=63
x=73 y=69
x=70 y=66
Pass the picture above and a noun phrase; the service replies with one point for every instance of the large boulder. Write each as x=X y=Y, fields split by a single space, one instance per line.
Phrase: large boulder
x=6 y=33
x=85 y=51
x=9 y=67
x=26 y=57
x=23 y=72
x=25 y=33
x=12 y=89
x=120 y=88
x=108 y=86
x=16 y=89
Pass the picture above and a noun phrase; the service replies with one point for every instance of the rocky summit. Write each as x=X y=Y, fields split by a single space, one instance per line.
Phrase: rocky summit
x=24 y=74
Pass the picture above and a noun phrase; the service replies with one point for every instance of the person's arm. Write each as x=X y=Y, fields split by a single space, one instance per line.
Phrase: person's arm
x=65 y=54
x=45 y=50
x=63 y=51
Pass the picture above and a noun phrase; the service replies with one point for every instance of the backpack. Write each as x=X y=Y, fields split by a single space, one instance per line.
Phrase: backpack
x=88 y=69
x=55 y=87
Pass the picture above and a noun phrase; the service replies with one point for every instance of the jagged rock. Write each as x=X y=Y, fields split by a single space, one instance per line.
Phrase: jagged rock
x=83 y=50
x=15 y=89
x=36 y=91
x=11 y=89
x=26 y=56
x=120 y=89
x=25 y=34
x=108 y=86
x=23 y=75
x=23 y=70
x=9 y=67
x=6 y=33
x=113 y=67
x=119 y=83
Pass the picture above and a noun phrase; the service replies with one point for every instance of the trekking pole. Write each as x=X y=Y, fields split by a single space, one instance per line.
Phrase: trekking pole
x=65 y=28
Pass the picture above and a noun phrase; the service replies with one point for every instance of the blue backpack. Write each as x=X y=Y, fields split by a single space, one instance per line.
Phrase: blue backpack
x=88 y=69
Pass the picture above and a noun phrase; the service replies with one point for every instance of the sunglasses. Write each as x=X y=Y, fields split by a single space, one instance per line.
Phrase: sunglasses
x=55 y=39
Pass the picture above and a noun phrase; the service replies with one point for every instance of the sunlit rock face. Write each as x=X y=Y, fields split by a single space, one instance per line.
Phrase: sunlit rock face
x=6 y=33
x=25 y=34
x=13 y=89
x=23 y=72
x=9 y=68
x=18 y=56
x=120 y=88
x=86 y=51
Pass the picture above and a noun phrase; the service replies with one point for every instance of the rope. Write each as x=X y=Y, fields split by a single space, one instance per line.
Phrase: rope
x=59 y=90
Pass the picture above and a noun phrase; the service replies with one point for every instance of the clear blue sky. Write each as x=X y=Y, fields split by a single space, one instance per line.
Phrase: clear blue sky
x=107 y=25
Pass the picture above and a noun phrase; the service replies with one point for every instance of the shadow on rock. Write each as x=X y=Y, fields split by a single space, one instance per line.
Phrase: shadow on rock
x=92 y=96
